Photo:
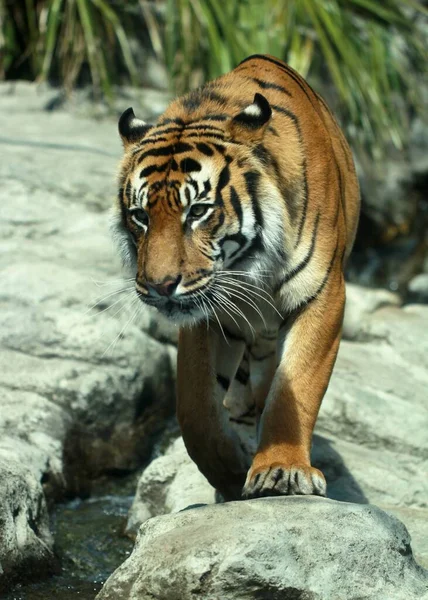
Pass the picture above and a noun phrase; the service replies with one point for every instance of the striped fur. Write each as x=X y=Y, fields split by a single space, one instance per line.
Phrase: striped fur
x=240 y=207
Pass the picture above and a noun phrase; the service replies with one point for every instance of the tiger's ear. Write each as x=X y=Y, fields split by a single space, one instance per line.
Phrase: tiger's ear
x=131 y=129
x=250 y=124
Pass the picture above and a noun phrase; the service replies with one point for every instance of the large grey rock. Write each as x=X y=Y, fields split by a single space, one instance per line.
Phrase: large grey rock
x=272 y=548
x=82 y=391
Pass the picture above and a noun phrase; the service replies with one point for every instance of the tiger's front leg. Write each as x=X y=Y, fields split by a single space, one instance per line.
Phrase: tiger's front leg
x=282 y=463
x=206 y=366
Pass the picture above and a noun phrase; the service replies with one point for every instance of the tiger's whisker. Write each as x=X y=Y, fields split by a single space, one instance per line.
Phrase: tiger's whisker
x=113 y=343
x=241 y=296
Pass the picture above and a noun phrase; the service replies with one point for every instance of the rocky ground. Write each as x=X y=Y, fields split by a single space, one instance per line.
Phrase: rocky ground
x=83 y=391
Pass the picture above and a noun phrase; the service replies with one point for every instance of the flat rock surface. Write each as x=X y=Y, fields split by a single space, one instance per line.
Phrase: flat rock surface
x=81 y=390
x=271 y=549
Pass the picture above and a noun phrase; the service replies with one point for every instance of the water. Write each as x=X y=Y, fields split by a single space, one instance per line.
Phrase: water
x=89 y=535
x=89 y=542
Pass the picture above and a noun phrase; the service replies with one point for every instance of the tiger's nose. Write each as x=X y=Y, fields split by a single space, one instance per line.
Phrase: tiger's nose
x=166 y=287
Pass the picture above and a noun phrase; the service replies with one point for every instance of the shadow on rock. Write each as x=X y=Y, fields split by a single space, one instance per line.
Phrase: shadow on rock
x=341 y=485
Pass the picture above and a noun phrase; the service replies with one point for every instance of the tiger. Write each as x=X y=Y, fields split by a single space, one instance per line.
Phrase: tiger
x=237 y=212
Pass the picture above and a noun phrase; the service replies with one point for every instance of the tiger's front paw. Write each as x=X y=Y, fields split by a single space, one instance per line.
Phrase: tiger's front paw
x=284 y=480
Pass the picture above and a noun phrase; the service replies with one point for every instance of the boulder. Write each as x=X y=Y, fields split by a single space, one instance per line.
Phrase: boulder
x=418 y=288
x=169 y=484
x=86 y=378
x=25 y=538
x=298 y=548
x=361 y=303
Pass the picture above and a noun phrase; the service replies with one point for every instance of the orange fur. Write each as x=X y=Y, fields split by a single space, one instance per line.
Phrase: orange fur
x=241 y=204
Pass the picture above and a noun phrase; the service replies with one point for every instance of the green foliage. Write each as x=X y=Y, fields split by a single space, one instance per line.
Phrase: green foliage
x=59 y=38
x=371 y=50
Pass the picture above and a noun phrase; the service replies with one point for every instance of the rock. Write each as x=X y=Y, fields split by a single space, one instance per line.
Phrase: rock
x=416 y=520
x=370 y=440
x=360 y=303
x=378 y=393
x=82 y=391
x=25 y=538
x=418 y=288
x=271 y=548
x=169 y=484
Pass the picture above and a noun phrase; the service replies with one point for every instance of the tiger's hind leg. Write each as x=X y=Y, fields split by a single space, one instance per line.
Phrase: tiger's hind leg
x=282 y=464
x=206 y=366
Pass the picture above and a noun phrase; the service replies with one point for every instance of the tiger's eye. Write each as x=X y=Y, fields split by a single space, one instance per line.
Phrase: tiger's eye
x=140 y=217
x=198 y=210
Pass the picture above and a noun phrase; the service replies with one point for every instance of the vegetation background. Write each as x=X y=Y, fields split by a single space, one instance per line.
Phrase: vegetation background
x=368 y=57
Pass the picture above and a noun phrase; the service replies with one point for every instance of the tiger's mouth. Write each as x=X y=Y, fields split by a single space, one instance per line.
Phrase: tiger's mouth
x=177 y=308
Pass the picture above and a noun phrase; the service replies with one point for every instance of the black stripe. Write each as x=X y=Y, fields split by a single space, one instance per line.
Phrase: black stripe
x=266 y=85
x=296 y=122
x=323 y=283
x=204 y=127
x=223 y=381
x=207 y=189
x=224 y=178
x=128 y=188
x=219 y=223
x=188 y=165
x=251 y=184
x=176 y=120
x=290 y=72
x=236 y=204
x=273 y=131
x=193 y=100
x=194 y=185
x=208 y=256
x=221 y=149
x=305 y=203
x=152 y=140
x=204 y=274
x=178 y=148
x=164 y=131
x=205 y=149
x=305 y=261
x=207 y=134
x=154 y=168
x=123 y=211
x=239 y=238
x=256 y=245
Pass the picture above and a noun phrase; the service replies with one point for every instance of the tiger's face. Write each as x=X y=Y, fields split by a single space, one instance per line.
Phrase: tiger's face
x=188 y=214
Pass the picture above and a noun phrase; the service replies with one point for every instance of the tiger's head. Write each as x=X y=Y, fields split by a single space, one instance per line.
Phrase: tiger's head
x=188 y=209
